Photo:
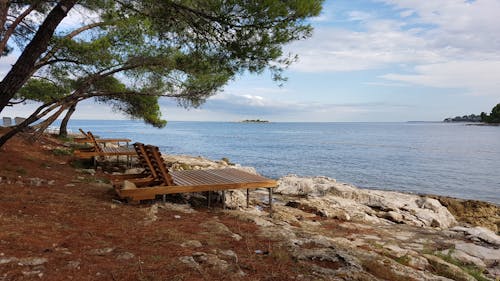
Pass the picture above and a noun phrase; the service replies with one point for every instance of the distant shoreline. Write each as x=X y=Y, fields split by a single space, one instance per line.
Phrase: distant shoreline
x=254 y=121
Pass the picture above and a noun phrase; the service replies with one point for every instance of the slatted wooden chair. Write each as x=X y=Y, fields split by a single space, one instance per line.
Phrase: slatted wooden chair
x=87 y=139
x=147 y=177
x=98 y=151
x=190 y=180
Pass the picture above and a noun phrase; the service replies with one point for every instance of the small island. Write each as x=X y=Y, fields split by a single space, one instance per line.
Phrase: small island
x=254 y=121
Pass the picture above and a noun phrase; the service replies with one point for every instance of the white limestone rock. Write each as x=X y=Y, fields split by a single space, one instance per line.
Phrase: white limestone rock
x=364 y=204
x=294 y=185
x=464 y=257
x=489 y=256
x=479 y=233
x=247 y=169
x=235 y=199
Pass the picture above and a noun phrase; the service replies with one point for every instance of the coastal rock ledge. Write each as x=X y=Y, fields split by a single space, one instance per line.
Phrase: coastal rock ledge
x=341 y=232
x=333 y=199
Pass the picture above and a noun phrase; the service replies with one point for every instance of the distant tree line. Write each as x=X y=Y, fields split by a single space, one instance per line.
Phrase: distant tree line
x=465 y=118
x=254 y=121
x=494 y=116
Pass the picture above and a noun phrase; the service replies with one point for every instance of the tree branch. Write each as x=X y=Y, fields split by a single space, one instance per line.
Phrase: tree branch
x=26 y=63
x=44 y=61
x=13 y=26
x=4 y=11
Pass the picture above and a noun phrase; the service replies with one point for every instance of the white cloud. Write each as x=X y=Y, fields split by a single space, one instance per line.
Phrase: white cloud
x=359 y=16
x=448 y=44
x=477 y=77
x=252 y=106
x=406 y=13
x=461 y=24
x=334 y=49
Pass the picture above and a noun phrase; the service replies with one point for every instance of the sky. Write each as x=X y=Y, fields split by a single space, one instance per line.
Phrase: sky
x=367 y=61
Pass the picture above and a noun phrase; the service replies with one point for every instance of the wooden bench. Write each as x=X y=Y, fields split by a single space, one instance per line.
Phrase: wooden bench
x=187 y=181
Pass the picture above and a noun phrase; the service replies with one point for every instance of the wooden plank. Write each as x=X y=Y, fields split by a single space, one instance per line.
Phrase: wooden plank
x=144 y=159
x=197 y=177
x=237 y=174
x=84 y=140
x=148 y=192
x=94 y=143
x=155 y=157
x=88 y=154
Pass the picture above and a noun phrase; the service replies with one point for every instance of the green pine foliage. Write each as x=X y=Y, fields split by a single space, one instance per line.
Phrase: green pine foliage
x=139 y=51
x=494 y=116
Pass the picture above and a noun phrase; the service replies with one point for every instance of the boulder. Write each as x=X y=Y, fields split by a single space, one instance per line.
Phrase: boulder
x=235 y=199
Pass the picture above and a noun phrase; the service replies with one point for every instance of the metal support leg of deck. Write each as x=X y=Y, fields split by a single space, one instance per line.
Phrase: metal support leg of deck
x=248 y=197
x=270 y=202
x=209 y=198
x=223 y=199
x=164 y=198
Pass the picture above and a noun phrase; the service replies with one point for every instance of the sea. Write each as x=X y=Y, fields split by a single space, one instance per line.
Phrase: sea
x=452 y=159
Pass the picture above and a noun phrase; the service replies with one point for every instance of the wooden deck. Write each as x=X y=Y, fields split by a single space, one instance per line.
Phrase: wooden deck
x=201 y=180
x=159 y=180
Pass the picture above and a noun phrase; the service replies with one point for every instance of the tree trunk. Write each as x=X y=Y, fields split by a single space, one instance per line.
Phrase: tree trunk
x=35 y=116
x=39 y=113
x=24 y=67
x=63 y=129
x=19 y=128
x=46 y=123
x=4 y=10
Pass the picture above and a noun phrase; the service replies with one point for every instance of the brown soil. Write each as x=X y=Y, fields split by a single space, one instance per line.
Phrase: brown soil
x=68 y=221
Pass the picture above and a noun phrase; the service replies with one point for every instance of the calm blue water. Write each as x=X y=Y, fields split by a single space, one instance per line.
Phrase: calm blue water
x=439 y=158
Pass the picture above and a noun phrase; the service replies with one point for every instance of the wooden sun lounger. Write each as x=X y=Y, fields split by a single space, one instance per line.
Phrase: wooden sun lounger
x=88 y=139
x=147 y=177
x=101 y=151
x=188 y=180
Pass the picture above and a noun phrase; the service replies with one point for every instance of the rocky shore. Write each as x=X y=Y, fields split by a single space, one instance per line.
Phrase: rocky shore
x=60 y=220
x=348 y=233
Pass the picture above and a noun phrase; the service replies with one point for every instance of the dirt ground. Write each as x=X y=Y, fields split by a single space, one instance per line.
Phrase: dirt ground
x=57 y=223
